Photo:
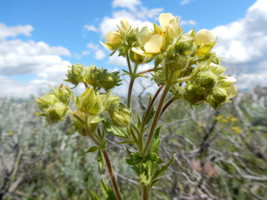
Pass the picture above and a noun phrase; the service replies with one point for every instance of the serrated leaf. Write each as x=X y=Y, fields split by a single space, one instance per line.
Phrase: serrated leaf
x=107 y=191
x=114 y=130
x=154 y=158
x=100 y=160
x=156 y=141
x=133 y=158
x=162 y=169
x=92 y=149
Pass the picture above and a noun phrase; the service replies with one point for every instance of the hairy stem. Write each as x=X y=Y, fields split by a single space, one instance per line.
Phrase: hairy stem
x=151 y=103
x=167 y=105
x=155 y=120
x=111 y=175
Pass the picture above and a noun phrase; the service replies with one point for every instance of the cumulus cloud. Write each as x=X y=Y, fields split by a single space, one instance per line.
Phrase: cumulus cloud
x=130 y=4
x=90 y=28
x=243 y=43
x=38 y=59
x=99 y=53
x=245 y=40
x=14 y=31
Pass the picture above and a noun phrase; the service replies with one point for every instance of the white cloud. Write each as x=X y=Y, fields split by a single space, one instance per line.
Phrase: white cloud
x=23 y=57
x=93 y=46
x=13 y=31
x=117 y=60
x=244 y=43
x=100 y=54
x=37 y=59
x=183 y=2
x=130 y=4
x=189 y=22
x=90 y=28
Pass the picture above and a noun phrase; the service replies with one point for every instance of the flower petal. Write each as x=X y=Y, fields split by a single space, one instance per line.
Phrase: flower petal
x=155 y=44
x=144 y=35
x=164 y=19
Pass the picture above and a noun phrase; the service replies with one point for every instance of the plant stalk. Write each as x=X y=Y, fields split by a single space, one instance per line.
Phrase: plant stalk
x=155 y=120
x=145 y=193
x=111 y=175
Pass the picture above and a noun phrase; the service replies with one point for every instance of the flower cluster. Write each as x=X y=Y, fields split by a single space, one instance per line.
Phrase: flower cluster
x=178 y=57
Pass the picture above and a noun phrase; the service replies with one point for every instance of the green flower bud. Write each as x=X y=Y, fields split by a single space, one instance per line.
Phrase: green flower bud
x=74 y=75
x=113 y=40
x=100 y=78
x=191 y=95
x=88 y=76
x=184 y=45
x=46 y=101
x=89 y=102
x=113 y=101
x=206 y=79
x=217 y=69
x=120 y=116
x=219 y=95
x=64 y=94
x=124 y=28
x=55 y=113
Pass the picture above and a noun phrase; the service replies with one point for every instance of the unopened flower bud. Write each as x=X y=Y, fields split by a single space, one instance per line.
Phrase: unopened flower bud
x=191 y=95
x=113 y=101
x=184 y=45
x=64 y=94
x=217 y=69
x=120 y=116
x=206 y=79
x=46 y=101
x=219 y=95
x=124 y=28
x=113 y=40
x=74 y=74
x=89 y=102
x=55 y=113
x=228 y=81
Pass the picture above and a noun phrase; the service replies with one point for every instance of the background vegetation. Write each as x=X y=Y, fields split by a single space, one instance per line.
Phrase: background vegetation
x=219 y=154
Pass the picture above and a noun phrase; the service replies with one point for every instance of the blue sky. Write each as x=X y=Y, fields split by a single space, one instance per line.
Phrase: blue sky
x=38 y=39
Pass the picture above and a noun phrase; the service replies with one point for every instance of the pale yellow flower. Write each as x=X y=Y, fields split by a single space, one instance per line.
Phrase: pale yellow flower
x=113 y=40
x=231 y=92
x=204 y=36
x=169 y=25
x=150 y=43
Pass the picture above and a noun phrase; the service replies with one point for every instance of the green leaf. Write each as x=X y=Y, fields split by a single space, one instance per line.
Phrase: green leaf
x=154 y=158
x=100 y=160
x=93 y=195
x=92 y=149
x=162 y=169
x=114 y=130
x=156 y=141
x=139 y=123
x=133 y=158
x=107 y=191
x=150 y=115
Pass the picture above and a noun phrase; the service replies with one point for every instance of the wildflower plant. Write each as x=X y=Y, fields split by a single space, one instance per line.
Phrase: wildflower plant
x=185 y=68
